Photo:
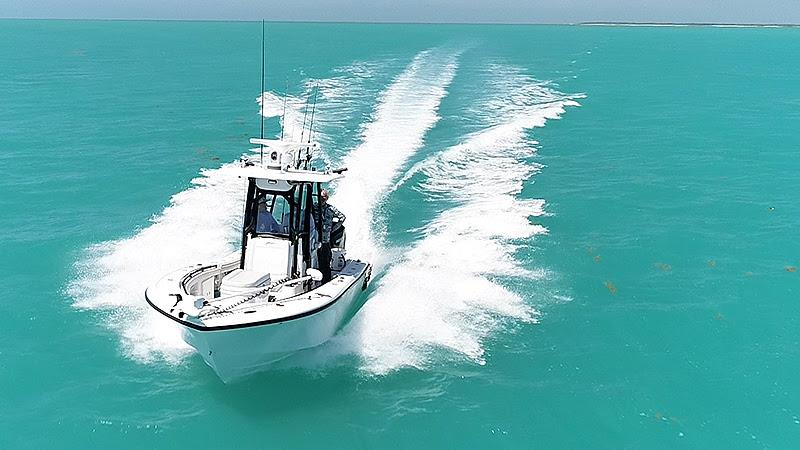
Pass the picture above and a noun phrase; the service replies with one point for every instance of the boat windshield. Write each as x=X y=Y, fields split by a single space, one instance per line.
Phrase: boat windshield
x=273 y=215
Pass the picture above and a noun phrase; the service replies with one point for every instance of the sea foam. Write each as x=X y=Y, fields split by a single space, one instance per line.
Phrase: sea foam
x=442 y=298
x=438 y=298
x=406 y=110
x=112 y=276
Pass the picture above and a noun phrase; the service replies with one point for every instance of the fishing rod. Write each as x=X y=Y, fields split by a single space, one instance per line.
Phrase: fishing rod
x=283 y=117
x=262 y=91
x=305 y=115
x=311 y=126
x=313 y=109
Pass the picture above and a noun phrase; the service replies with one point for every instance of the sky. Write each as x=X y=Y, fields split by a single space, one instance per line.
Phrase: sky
x=469 y=11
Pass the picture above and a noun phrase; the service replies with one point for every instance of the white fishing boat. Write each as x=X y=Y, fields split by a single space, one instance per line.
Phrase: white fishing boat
x=269 y=300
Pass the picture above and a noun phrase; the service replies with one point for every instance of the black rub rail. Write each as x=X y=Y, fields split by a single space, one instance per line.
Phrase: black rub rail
x=197 y=327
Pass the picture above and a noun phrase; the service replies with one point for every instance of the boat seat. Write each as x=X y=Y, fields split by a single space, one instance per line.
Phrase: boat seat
x=267 y=254
x=239 y=281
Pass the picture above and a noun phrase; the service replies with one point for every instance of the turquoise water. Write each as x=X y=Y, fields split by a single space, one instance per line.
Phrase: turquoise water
x=585 y=237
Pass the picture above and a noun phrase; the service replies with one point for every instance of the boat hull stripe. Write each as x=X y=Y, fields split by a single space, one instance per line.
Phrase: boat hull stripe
x=254 y=324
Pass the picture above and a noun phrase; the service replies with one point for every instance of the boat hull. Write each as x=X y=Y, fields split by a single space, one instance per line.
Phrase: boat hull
x=236 y=352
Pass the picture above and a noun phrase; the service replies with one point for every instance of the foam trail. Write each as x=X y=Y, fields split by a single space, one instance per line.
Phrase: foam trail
x=407 y=109
x=112 y=276
x=443 y=294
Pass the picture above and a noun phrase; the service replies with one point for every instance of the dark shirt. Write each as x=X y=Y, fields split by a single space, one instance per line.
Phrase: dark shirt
x=328 y=213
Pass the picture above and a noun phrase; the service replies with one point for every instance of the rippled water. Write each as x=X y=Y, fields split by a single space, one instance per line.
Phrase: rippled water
x=583 y=237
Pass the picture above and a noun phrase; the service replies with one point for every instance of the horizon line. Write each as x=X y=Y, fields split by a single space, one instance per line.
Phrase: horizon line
x=400 y=22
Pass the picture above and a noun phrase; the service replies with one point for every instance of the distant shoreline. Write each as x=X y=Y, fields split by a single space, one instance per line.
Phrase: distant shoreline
x=691 y=24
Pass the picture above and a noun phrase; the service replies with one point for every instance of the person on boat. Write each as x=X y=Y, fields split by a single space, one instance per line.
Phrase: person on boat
x=265 y=222
x=330 y=215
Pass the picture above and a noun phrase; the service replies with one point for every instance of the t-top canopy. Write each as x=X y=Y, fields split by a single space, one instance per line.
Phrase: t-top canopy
x=282 y=161
x=299 y=176
x=281 y=145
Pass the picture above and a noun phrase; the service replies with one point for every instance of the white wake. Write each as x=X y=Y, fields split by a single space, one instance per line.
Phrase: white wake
x=444 y=294
x=442 y=297
x=406 y=110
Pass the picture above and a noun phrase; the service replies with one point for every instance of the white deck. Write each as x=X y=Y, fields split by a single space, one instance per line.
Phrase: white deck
x=238 y=310
x=261 y=310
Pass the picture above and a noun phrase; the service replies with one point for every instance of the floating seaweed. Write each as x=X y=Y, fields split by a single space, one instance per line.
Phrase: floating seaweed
x=790 y=268
x=611 y=288
x=663 y=266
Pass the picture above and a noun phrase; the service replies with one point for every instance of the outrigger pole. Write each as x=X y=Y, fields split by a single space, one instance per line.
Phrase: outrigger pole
x=262 y=91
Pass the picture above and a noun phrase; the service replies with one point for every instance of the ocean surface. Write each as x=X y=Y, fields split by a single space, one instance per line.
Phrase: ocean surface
x=584 y=237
